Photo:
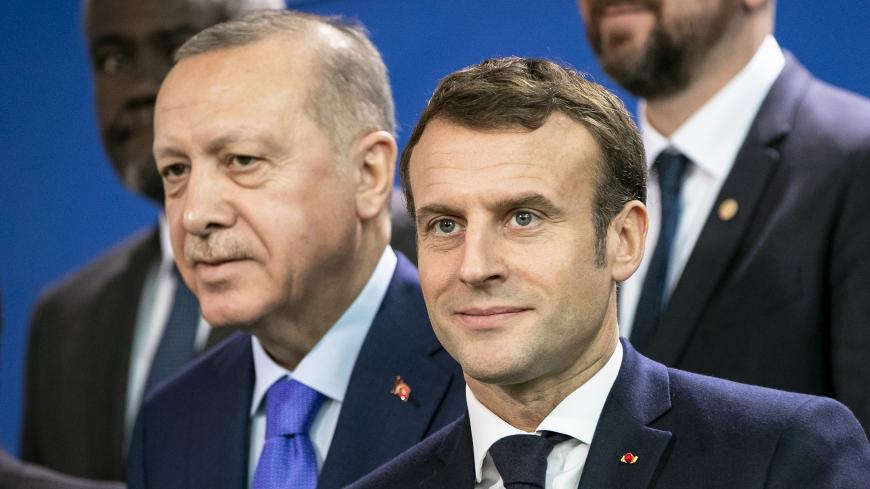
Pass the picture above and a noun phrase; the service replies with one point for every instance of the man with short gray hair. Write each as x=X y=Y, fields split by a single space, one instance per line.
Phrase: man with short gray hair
x=274 y=139
x=108 y=334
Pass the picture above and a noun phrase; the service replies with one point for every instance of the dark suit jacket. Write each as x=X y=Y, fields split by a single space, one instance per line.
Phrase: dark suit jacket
x=78 y=363
x=19 y=475
x=779 y=296
x=688 y=431
x=194 y=431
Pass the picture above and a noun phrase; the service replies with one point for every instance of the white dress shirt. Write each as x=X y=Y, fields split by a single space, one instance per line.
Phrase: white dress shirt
x=155 y=304
x=710 y=139
x=576 y=416
x=326 y=368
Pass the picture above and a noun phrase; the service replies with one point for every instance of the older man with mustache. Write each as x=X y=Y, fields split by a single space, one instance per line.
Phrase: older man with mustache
x=106 y=335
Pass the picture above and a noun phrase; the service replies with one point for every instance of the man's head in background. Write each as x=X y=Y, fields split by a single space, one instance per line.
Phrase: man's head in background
x=656 y=48
x=131 y=44
x=274 y=138
x=526 y=182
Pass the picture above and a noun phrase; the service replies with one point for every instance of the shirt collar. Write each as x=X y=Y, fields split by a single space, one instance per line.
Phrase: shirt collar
x=328 y=366
x=166 y=255
x=730 y=111
x=576 y=416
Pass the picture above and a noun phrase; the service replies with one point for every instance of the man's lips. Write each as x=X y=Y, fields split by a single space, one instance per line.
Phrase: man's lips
x=488 y=317
x=214 y=261
x=213 y=269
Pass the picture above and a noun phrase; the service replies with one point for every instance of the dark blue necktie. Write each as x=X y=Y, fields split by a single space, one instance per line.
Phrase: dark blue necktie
x=670 y=167
x=288 y=460
x=521 y=460
x=177 y=343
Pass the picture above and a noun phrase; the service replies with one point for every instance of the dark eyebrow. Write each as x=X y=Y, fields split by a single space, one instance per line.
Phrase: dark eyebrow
x=108 y=40
x=531 y=200
x=169 y=152
x=215 y=146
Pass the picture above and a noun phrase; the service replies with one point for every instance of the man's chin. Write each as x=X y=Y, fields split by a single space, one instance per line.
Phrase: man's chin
x=220 y=314
x=228 y=321
x=496 y=372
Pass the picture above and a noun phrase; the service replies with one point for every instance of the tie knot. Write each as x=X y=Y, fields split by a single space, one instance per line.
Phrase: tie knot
x=521 y=460
x=670 y=166
x=290 y=408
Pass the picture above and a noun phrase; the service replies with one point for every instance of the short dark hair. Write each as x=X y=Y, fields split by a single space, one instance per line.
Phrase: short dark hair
x=523 y=92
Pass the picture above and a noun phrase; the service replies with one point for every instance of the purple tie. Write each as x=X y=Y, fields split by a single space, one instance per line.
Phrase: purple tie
x=288 y=459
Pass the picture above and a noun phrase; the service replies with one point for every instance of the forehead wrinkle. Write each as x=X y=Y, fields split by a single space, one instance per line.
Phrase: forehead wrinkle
x=446 y=174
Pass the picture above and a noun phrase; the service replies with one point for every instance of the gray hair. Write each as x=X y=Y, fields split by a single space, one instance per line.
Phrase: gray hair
x=353 y=95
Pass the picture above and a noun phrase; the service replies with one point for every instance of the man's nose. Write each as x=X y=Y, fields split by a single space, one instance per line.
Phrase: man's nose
x=482 y=262
x=206 y=202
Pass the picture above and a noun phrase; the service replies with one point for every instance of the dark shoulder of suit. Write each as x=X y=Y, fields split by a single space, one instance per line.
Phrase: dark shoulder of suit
x=777 y=294
x=78 y=362
x=686 y=431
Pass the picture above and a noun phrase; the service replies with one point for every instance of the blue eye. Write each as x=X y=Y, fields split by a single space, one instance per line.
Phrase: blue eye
x=445 y=226
x=523 y=218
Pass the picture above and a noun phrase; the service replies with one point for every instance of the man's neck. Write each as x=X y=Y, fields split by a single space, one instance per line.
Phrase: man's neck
x=525 y=405
x=288 y=335
x=714 y=71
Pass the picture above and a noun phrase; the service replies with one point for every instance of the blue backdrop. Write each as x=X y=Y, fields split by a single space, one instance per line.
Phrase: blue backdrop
x=61 y=204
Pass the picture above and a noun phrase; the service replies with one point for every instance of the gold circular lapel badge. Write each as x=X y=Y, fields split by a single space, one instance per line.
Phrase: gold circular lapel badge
x=728 y=209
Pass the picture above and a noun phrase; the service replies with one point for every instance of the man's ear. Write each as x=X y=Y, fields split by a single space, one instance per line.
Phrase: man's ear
x=625 y=240
x=374 y=158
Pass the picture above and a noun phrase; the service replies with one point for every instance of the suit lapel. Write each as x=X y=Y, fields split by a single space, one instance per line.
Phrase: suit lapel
x=639 y=396
x=720 y=240
x=375 y=425
x=219 y=432
x=456 y=454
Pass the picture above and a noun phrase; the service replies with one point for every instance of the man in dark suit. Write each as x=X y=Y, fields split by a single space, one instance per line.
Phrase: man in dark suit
x=15 y=474
x=526 y=182
x=274 y=137
x=757 y=200
x=97 y=341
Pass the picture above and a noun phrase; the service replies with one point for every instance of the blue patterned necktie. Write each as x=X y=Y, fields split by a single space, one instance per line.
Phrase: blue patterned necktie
x=176 y=346
x=670 y=167
x=288 y=459
x=521 y=460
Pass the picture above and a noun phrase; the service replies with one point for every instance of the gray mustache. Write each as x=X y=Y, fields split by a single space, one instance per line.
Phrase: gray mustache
x=214 y=247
